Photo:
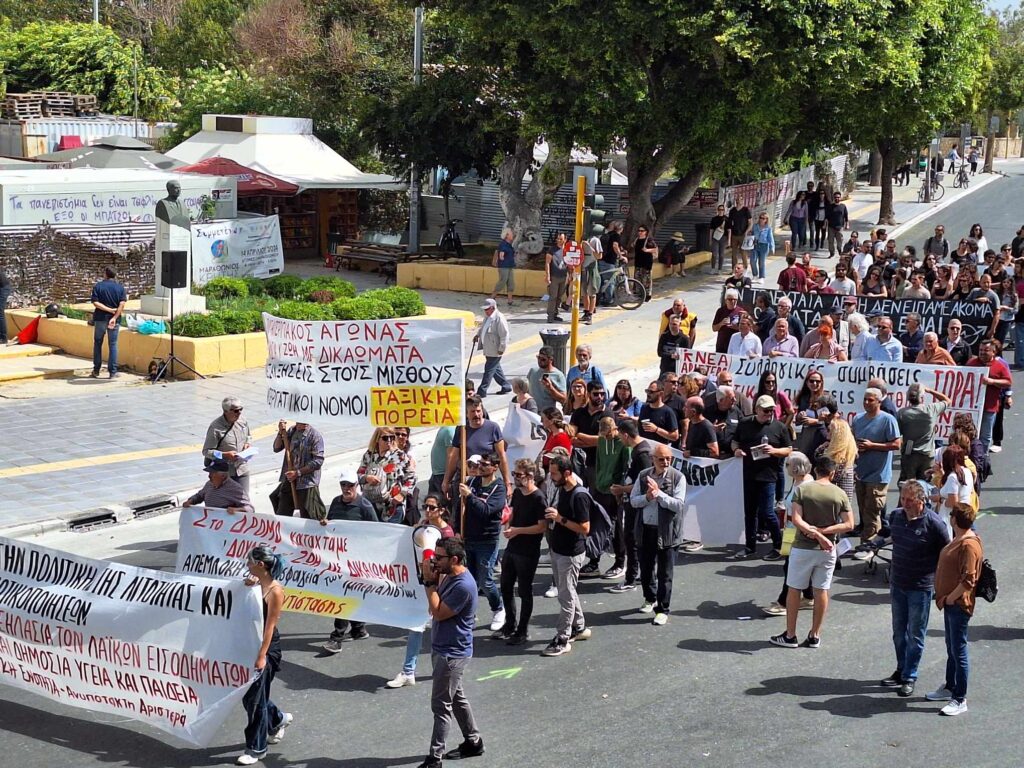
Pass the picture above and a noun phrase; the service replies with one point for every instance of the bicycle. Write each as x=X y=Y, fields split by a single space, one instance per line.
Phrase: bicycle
x=937 y=189
x=962 y=180
x=628 y=293
x=450 y=242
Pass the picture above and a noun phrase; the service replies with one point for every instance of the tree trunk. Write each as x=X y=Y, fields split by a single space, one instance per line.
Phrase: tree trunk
x=875 y=168
x=990 y=143
x=523 y=208
x=643 y=169
x=887 y=157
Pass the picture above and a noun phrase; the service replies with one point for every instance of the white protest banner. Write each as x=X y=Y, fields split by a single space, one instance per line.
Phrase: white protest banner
x=358 y=372
x=360 y=571
x=714 y=500
x=523 y=433
x=237 y=248
x=847 y=381
x=176 y=652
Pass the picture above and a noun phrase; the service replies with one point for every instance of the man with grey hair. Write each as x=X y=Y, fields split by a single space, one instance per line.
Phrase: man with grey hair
x=917 y=428
x=723 y=411
x=585 y=368
x=912 y=339
x=504 y=260
x=726 y=321
x=796 y=325
x=226 y=437
x=887 y=404
x=932 y=352
x=878 y=437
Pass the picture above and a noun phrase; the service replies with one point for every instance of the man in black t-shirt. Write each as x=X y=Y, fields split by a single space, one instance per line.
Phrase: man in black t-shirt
x=587 y=420
x=763 y=442
x=611 y=242
x=724 y=413
x=640 y=458
x=657 y=420
x=701 y=438
x=519 y=563
x=739 y=227
x=568 y=526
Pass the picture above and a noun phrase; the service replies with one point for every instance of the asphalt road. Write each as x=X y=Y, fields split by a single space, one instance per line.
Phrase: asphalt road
x=706 y=689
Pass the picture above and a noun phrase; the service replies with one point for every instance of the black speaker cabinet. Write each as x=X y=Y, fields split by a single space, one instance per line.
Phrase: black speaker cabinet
x=174 y=269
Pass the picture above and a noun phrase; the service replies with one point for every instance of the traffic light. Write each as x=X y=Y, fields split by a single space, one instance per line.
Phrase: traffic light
x=594 y=214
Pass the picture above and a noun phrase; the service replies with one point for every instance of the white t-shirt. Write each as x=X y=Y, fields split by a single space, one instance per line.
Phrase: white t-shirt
x=861 y=262
x=745 y=346
x=962 y=490
x=844 y=286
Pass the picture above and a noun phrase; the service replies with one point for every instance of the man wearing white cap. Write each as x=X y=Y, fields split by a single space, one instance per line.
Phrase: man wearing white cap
x=350 y=505
x=493 y=338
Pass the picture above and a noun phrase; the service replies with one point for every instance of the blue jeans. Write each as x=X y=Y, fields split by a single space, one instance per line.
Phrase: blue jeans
x=910 y=611
x=492 y=369
x=98 y=332
x=759 y=512
x=1018 y=345
x=759 y=260
x=988 y=420
x=4 y=293
x=264 y=716
x=957 y=664
x=799 y=236
x=607 y=282
x=412 y=651
x=480 y=559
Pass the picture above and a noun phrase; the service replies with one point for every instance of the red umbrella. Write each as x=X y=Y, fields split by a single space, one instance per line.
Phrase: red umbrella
x=250 y=182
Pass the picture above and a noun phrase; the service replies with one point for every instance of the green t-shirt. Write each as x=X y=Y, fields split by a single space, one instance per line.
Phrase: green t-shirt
x=612 y=460
x=439 y=450
x=821 y=506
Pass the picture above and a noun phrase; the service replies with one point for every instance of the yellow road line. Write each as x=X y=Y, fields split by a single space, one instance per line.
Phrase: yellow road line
x=117 y=458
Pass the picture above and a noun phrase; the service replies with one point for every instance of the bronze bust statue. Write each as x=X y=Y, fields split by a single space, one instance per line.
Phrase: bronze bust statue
x=171 y=209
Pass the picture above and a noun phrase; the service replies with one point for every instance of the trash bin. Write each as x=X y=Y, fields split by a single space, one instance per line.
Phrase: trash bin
x=558 y=340
x=703 y=237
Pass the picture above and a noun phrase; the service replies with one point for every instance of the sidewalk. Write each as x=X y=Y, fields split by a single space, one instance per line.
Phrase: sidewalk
x=106 y=447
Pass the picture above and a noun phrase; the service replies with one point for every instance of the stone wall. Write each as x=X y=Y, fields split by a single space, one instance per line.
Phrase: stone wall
x=46 y=265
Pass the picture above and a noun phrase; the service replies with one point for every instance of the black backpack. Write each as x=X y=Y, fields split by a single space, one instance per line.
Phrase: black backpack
x=578 y=460
x=987 y=587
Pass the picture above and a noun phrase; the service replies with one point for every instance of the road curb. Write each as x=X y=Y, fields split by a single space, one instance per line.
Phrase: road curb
x=935 y=208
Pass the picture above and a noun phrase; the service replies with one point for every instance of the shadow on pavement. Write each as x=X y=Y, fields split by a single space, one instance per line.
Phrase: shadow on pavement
x=864 y=706
x=805 y=685
x=999 y=511
x=741 y=647
x=751 y=572
x=986 y=632
x=300 y=678
x=357 y=762
x=106 y=743
x=862 y=597
x=712 y=610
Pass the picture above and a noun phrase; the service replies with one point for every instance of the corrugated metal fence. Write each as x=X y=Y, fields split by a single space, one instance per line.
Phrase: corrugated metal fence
x=484 y=217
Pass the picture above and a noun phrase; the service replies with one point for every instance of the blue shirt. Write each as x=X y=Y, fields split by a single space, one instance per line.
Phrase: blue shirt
x=453 y=637
x=506 y=255
x=593 y=373
x=109 y=293
x=915 y=549
x=890 y=351
x=875 y=466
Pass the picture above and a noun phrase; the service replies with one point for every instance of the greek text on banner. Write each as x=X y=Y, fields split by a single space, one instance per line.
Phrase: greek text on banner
x=714 y=500
x=360 y=571
x=237 y=248
x=378 y=372
x=176 y=652
x=847 y=381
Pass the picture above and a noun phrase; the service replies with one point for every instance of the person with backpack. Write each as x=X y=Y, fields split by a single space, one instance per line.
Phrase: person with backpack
x=956 y=584
x=568 y=526
x=659 y=495
x=937 y=245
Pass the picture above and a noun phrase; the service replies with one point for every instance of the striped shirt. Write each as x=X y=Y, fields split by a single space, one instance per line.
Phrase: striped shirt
x=230 y=494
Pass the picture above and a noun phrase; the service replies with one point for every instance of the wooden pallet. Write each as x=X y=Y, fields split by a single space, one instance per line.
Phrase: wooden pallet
x=22 y=106
x=85 y=105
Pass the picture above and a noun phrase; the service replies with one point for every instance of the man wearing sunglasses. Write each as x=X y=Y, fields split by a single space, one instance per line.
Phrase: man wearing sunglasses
x=484 y=498
x=451 y=598
x=351 y=505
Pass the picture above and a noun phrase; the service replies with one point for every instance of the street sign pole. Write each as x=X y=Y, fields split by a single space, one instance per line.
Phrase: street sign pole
x=581 y=193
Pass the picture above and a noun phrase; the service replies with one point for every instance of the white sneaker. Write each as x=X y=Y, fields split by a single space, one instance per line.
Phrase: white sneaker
x=995 y=448
x=401 y=680
x=250 y=758
x=954 y=708
x=660 y=619
x=942 y=693
x=274 y=737
x=647 y=607
x=499 y=620
x=866 y=554
x=551 y=591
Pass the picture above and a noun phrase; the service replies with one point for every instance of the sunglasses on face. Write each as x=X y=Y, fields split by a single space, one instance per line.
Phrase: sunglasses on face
x=437 y=557
x=653 y=391
x=520 y=475
x=236 y=410
x=388 y=438
x=430 y=507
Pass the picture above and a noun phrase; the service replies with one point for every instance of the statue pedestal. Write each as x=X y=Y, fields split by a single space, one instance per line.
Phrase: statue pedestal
x=172 y=237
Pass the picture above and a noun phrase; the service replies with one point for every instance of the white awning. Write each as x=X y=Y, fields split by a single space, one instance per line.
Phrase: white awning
x=300 y=158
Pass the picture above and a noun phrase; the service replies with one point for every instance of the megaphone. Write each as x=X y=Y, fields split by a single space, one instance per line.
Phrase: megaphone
x=424 y=539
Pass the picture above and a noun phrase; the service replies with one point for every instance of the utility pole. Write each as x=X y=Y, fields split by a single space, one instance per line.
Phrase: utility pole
x=95 y=11
x=414 y=172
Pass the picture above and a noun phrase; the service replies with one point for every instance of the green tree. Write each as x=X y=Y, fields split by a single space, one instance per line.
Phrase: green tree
x=1003 y=88
x=199 y=34
x=85 y=58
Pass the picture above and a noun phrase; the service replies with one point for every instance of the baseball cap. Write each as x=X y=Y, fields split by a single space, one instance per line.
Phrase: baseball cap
x=490 y=304
x=217 y=465
x=348 y=476
x=850 y=300
x=557 y=452
x=476 y=458
x=765 y=401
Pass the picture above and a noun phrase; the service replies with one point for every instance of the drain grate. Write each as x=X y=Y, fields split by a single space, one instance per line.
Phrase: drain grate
x=155 y=505
x=101 y=519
